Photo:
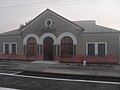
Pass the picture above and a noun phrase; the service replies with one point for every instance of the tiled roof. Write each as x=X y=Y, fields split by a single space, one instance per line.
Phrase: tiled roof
x=12 y=32
x=90 y=26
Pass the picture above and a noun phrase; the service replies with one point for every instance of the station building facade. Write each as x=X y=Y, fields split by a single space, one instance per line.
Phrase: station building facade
x=52 y=37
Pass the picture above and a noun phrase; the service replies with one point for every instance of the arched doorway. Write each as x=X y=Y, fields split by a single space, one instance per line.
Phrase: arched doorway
x=48 y=48
x=31 y=49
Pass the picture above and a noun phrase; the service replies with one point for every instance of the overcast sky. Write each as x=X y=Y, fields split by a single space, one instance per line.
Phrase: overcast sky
x=16 y=12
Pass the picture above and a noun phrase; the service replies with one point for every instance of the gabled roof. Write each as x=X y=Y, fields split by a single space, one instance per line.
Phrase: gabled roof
x=90 y=26
x=105 y=29
x=59 y=16
x=12 y=32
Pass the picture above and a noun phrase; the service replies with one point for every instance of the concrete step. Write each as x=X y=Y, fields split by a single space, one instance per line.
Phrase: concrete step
x=46 y=62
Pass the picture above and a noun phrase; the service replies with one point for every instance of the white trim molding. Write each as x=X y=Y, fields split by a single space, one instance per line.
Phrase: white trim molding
x=48 y=35
x=96 y=47
x=28 y=36
x=69 y=35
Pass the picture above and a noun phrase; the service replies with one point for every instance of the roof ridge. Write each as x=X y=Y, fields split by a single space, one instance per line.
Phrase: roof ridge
x=48 y=10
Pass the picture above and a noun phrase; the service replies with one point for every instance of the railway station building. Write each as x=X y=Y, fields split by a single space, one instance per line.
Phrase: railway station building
x=50 y=36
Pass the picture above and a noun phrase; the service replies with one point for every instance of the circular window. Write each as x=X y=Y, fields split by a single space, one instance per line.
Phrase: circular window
x=48 y=22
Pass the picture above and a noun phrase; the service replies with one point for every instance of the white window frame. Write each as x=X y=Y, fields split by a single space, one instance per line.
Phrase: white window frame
x=96 y=47
x=10 y=47
x=4 y=47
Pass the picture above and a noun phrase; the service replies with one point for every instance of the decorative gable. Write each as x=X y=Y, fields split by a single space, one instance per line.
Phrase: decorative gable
x=50 y=22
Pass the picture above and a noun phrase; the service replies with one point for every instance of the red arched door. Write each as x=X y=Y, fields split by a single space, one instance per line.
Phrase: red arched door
x=48 y=48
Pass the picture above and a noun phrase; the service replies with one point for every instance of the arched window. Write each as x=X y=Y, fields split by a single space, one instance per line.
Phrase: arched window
x=66 y=46
x=31 y=47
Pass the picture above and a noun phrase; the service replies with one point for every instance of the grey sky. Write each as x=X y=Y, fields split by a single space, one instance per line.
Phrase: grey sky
x=16 y=12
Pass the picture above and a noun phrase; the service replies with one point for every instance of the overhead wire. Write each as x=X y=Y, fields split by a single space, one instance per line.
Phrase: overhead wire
x=48 y=3
x=27 y=4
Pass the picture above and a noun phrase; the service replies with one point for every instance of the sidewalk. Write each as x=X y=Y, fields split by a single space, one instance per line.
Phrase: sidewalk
x=63 y=68
x=113 y=71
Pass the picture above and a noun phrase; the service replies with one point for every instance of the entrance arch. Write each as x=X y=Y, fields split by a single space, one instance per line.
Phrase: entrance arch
x=48 y=48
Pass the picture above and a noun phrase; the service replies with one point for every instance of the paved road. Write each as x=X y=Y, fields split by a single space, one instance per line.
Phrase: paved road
x=26 y=83
x=113 y=71
x=2 y=88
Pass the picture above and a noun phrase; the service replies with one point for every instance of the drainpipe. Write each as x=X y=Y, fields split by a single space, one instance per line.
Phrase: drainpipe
x=119 y=49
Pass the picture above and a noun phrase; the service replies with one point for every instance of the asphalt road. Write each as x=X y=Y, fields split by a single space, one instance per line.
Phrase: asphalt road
x=26 y=83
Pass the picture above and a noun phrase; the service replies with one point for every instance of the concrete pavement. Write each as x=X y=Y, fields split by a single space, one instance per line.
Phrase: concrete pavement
x=63 y=68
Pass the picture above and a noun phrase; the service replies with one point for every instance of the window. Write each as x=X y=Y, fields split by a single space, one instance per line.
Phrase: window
x=101 y=49
x=96 y=48
x=13 y=48
x=10 y=48
x=91 y=49
x=48 y=22
x=6 y=51
x=66 y=46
